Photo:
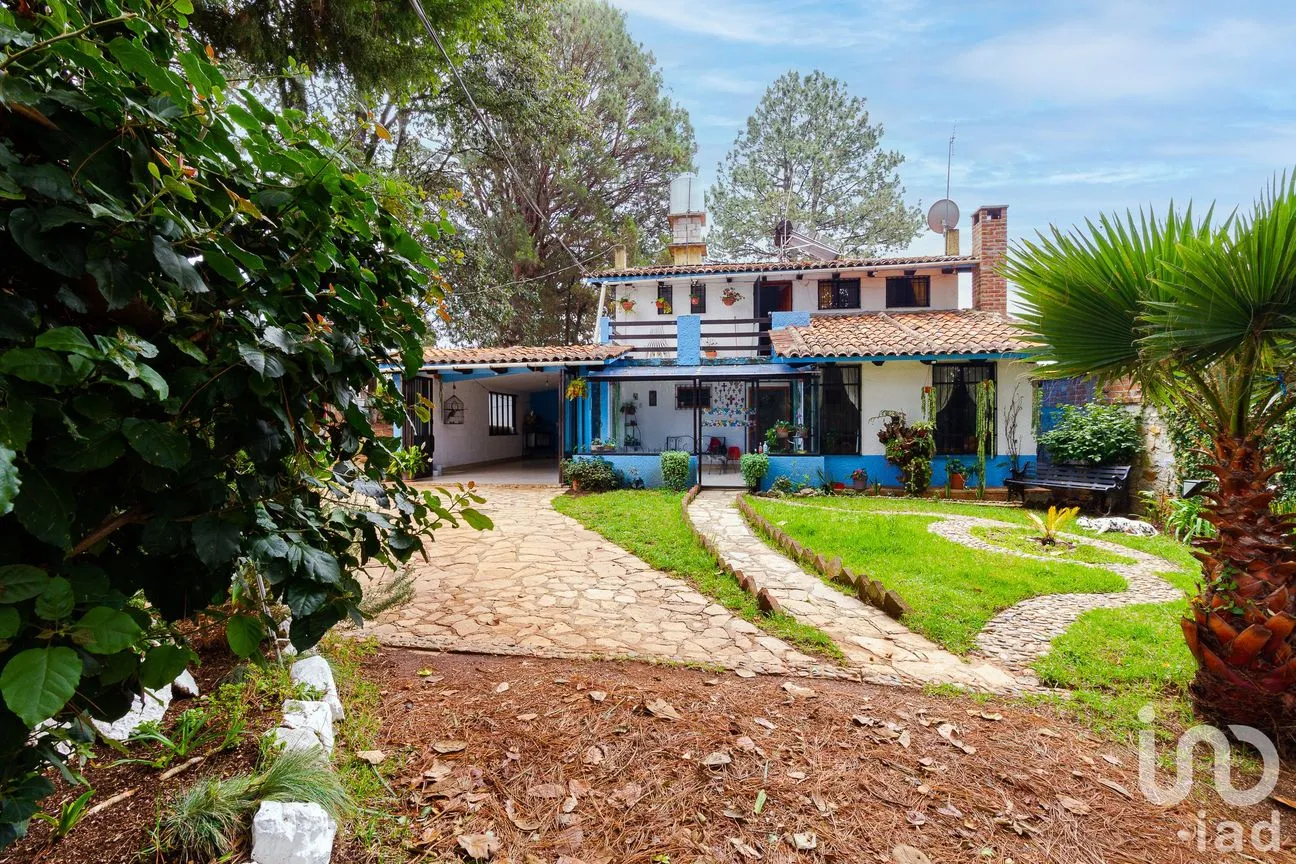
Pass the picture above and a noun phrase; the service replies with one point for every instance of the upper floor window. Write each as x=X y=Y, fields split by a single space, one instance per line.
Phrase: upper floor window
x=503 y=414
x=908 y=291
x=697 y=297
x=665 y=298
x=839 y=293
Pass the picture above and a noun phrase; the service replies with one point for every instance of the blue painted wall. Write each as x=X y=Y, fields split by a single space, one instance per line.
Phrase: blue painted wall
x=646 y=467
x=779 y=320
x=688 y=345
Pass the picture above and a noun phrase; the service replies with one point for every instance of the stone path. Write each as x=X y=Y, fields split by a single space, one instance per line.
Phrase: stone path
x=879 y=645
x=542 y=584
x=1025 y=631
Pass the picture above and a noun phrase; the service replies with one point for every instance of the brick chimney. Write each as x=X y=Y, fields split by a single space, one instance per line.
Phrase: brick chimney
x=990 y=244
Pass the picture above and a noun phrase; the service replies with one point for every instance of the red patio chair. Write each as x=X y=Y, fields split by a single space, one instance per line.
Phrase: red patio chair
x=734 y=456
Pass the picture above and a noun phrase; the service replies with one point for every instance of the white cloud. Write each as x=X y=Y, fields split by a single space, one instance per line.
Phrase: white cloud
x=778 y=23
x=1126 y=55
x=715 y=81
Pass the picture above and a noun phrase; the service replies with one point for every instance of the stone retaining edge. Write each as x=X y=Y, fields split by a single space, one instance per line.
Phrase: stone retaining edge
x=767 y=602
x=868 y=590
x=297 y=832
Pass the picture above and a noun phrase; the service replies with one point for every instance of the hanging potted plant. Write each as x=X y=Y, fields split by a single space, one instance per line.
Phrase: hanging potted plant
x=730 y=296
x=663 y=305
x=695 y=300
x=859 y=479
x=577 y=388
x=957 y=473
x=627 y=304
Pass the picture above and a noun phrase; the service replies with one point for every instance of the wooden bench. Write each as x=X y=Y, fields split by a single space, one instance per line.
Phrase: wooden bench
x=1110 y=483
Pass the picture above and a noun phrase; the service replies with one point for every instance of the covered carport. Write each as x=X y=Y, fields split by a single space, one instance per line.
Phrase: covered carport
x=497 y=415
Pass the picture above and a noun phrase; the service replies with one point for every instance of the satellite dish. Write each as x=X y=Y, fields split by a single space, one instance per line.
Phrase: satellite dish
x=944 y=214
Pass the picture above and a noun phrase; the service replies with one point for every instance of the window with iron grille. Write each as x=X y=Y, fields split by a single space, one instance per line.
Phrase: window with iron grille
x=839 y=293
x=503 y=414
x=908 y=291
x=955 y=386
x=697 y=297
x=665 y=299
x=840 y=428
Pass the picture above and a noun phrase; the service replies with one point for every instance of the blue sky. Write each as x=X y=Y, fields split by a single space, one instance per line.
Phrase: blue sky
x=1063 y=109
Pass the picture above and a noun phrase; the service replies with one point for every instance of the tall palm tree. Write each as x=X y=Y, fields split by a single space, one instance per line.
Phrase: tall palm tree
x=1203 y=315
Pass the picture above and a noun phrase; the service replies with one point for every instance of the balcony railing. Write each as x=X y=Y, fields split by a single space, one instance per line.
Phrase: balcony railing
x=721 y=337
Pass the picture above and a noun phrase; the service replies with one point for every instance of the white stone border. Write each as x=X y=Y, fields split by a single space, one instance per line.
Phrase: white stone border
x=292 y=832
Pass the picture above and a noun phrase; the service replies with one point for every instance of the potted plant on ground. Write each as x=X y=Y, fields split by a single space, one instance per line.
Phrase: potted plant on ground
x=627 y=304
x=709 y=351
x=754 y=468
x=409 y=462
x=730 y=295
x=859 y=479
x=957 y=472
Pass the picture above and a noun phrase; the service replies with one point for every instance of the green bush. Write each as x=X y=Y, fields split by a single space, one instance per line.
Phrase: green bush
x=1095 y=433
x=677 y=473
x=591 y=475
x=754 y=468
x=910 y=448
x=196 y=291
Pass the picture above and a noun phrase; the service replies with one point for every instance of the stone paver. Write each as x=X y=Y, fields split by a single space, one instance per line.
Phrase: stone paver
x=1025 y=631
x=879 y=645
x=542 y=584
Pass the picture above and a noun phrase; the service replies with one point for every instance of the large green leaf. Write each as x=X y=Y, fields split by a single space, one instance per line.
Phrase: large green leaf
x=38 y=682
x=320 y=566
x=16 y=423
x=10 y=622
x=158 y=443
x=56 y=601
x=20 y=582
x=215 y=540
x=305 y=598
x=69 y=340
x=244 y=634
x=36 y=365
x=476 y=519
x=178 y=267
x=103 y=630
x=45 y=507
x=162 y=664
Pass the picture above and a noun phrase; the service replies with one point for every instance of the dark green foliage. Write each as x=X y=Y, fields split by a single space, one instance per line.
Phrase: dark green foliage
x=677 y=473
x=1191 y=451
x=910 y=448
x=754 y=468
x=194 y=289
x=591 y=475
x=1096 y=433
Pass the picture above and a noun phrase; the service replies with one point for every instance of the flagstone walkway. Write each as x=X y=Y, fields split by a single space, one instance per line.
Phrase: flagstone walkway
x=1023 y=632
x=542 y=584
x=868 y=636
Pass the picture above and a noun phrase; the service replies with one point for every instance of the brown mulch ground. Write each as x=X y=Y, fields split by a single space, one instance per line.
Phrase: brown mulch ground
x=550 y=768
x=120 y=832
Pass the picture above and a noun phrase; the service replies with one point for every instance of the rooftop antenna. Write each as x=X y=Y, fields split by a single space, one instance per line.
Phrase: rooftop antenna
x=943 y=216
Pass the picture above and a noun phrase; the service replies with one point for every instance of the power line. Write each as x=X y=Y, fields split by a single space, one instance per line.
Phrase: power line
x=481 y=118
x=488 y=288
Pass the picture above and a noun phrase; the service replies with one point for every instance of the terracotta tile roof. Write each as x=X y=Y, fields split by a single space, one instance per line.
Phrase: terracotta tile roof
x=535 y=354
x=892 y=334
x=783 y=266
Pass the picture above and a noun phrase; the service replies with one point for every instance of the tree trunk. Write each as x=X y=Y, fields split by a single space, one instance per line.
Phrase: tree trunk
x=1242 y=628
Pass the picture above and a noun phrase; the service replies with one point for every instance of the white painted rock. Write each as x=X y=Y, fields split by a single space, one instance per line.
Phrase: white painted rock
x=289 y=833
x=295 y=739
x=315 y=716
x=316 y=673
x=147 y=708
x=184 y=686
x=1103 y=524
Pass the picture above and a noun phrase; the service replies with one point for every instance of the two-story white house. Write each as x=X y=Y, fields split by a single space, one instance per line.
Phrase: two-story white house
x=798 y=358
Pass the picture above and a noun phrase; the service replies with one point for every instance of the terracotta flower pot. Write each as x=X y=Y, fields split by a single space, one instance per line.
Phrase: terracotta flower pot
x=957 y=482
x=729 y=301
x=859 y=485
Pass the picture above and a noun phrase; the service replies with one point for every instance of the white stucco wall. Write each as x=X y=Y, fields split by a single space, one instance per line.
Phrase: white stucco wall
x=469 y=443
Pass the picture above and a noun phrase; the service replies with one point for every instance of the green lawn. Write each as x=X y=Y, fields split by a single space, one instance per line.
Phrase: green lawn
x=1113 y=661
x=650 y=524
x=1023 y=540
x=953 y=590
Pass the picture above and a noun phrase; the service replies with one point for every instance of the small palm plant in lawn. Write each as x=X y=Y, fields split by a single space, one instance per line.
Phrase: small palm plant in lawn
x=1052 y=523
x=1202 y=315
